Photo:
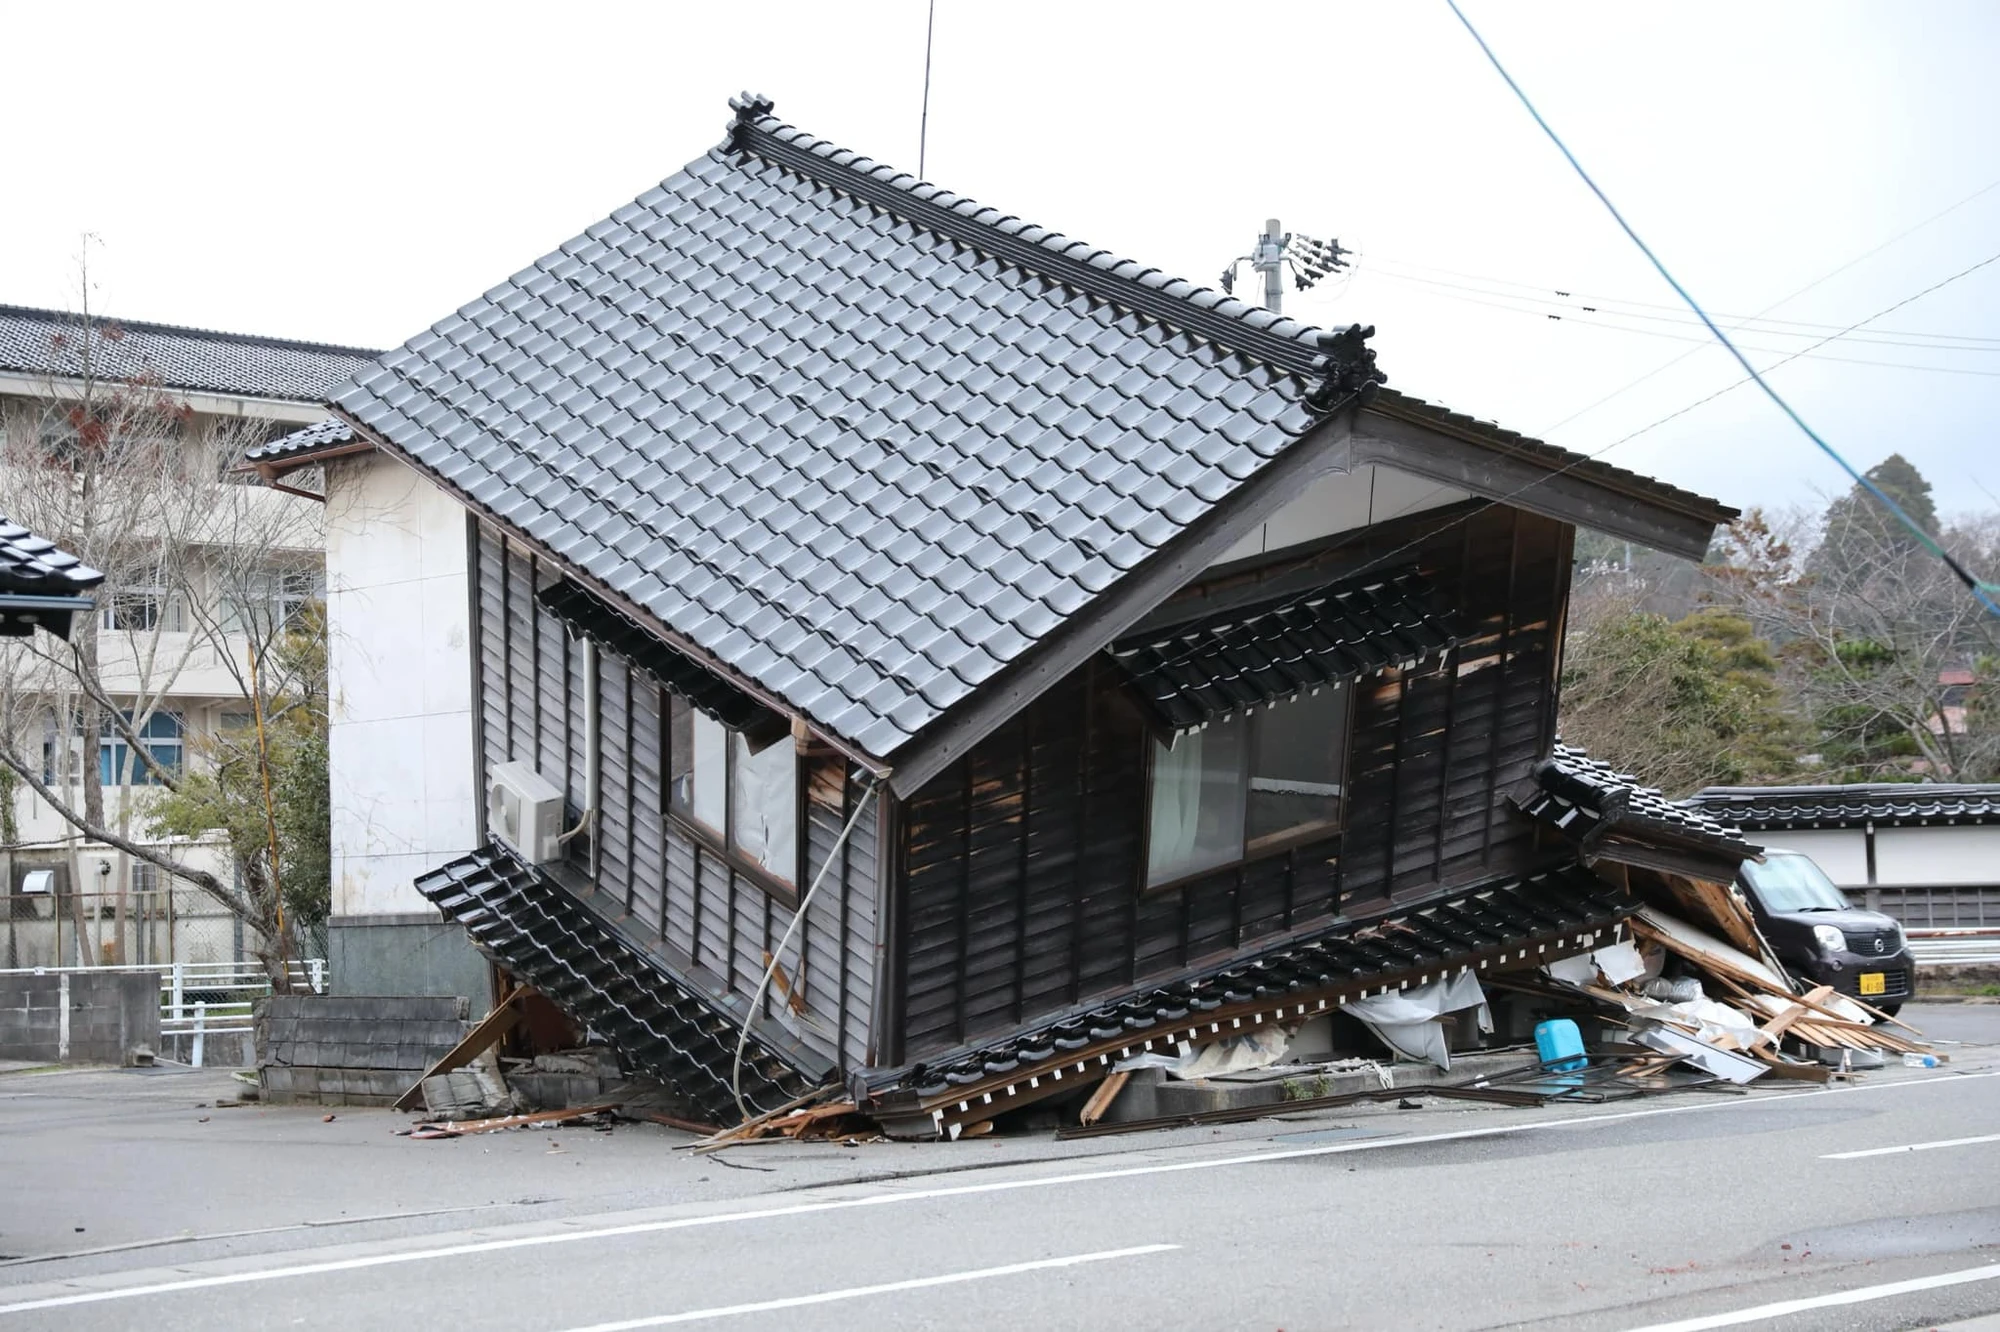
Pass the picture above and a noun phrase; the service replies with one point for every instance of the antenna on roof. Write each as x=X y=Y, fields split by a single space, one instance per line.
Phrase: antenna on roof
x=1309 y=259
x=924 y=123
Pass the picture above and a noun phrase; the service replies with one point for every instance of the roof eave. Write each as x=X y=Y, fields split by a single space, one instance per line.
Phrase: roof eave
x=1437 y=445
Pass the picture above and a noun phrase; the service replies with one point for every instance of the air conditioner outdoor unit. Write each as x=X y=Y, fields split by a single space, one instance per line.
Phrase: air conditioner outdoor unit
x=525 y=811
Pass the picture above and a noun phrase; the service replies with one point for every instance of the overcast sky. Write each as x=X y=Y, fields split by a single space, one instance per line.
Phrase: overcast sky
x=353 y=173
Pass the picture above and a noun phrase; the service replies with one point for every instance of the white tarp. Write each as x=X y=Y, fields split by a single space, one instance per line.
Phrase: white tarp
x=1407 y=1021
x=1236 y=1054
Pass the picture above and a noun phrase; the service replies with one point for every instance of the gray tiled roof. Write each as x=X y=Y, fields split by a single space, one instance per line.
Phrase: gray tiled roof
x=860 y=441
x=302 y=443
x=1890 y=803
x=864 y=465
x=1577 y=793
x=52 y=343
x=33 y=565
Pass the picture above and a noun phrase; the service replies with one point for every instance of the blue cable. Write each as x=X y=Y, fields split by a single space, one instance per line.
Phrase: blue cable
x=1980 y=588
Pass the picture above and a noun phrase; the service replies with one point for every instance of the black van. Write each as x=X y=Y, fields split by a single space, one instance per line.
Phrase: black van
x=1819 y=935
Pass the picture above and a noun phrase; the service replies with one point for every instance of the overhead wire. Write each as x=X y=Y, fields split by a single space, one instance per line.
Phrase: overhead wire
x=1570 y=310
x=1982 y=590
x=1781 y=302
x=1787 y=353
x=1567 y=298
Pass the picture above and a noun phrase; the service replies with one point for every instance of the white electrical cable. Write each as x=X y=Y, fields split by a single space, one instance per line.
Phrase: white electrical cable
x=763 y=986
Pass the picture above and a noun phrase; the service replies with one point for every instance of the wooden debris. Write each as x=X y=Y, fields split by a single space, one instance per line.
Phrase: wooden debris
x=463 y=1127
x=490 y=1029
x=1101 y=1099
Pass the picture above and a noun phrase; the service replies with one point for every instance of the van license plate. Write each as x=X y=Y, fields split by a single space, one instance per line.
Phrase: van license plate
x=1874 y=982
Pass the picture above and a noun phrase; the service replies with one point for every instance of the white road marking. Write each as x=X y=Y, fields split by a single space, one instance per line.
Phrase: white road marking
x=947 y=1191
x=858 y=1292
x=1839 y=1297
x=1909 y=1147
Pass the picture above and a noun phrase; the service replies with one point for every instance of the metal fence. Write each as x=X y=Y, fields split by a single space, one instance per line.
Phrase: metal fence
x=1945 y=908
x=146 y=927
x=1955 y=948
x=200 y=1000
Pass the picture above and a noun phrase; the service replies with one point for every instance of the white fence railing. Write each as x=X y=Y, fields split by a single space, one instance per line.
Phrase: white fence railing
x=203 y=999
x=1955 y=948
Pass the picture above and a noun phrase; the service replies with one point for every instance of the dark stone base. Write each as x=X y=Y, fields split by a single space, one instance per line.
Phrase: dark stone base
x=406 y=955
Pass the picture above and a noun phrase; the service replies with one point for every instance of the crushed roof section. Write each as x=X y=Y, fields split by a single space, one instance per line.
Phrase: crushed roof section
x=1890 y=803
x=1192 y=674
x=1463 y=927
x=300 y=445
x=33 y=565
x=860 y=463
x=1587 y=800
x=56 y=344
x=666 y=1025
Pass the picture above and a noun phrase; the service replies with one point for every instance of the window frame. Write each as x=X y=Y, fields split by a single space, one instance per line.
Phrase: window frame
x=1273 y=844
x=722 y=842
x=111 y=744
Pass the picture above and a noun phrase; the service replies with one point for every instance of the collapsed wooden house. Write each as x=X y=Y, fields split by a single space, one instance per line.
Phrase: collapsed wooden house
x=1080 y=660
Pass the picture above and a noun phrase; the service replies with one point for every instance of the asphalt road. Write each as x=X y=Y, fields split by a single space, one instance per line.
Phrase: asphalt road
x=1663 y=1212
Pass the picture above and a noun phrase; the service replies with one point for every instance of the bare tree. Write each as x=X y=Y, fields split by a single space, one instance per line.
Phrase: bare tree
x=1878 y=637
x=203 y=577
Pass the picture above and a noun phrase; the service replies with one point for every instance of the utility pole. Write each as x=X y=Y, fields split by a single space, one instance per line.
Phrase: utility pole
x=1309 y=259
x=1269 y=259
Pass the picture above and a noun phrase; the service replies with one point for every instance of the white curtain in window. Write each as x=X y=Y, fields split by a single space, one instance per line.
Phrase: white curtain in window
x=711 y=771
x=1177 y=781
x=764 y=809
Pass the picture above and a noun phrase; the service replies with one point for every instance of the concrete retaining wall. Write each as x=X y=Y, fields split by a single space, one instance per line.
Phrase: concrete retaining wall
x=109 y=1015
x=350 y=1050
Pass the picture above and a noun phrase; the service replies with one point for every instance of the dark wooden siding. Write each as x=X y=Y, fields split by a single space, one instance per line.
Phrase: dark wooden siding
x=1022 y=864
x=674 y=891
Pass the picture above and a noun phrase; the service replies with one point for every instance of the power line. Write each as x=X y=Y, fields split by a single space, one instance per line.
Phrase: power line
x=1580 y=306
x=1568 y=298
x=1781 y=302
x=1788 y=353
x=1980 y=589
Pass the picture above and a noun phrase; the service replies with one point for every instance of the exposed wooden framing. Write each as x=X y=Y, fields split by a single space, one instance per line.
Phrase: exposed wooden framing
x=1026 y=842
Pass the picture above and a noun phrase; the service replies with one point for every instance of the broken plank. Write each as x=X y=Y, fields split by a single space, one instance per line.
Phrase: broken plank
x=475 y=1043
x=462 y=1127
x=1101 y=1099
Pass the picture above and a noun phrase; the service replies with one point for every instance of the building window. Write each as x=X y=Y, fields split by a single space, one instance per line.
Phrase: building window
x=1248 y=786
x=141 y=609
x=744 y=800
x=117 y=766
x=275 y=598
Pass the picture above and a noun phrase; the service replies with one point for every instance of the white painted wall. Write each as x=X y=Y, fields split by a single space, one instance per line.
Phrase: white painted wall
x=1841 y=852
x=1344 y=502
x=1936 y=855
x=400 y=676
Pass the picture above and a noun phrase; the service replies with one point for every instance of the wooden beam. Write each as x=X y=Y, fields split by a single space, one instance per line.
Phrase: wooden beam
x=490 y=1029
x=1101 y=1099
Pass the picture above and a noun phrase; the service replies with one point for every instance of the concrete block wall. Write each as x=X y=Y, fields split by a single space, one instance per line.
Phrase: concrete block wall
x=352 y=1050
x=110 y=1014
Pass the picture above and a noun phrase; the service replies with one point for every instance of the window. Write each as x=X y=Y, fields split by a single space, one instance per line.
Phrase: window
x=118 y=767
x=743 y=799
x=275 y=598
x=138 y=609
x=1250 y=785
